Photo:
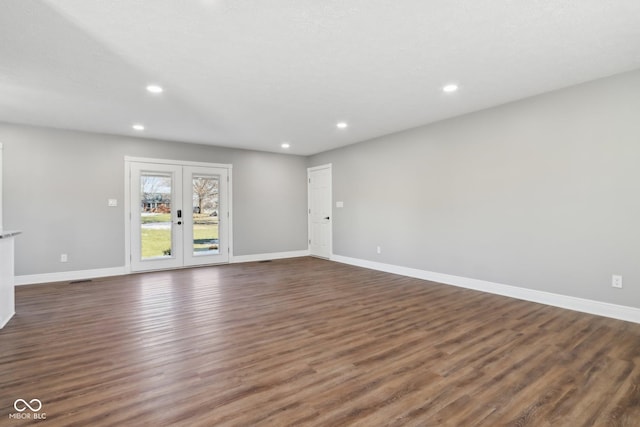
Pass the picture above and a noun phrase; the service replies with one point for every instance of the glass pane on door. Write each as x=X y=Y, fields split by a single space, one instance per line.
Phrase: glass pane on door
x=206 y=208
x=155 y=215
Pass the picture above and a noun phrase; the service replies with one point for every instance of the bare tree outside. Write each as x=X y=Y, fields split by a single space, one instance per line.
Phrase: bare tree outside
x=205 y=194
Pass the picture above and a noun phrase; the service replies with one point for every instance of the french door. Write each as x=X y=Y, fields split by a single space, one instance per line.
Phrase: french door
x=179 y=215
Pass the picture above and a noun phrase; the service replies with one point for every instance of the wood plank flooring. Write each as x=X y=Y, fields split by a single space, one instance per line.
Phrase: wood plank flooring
x=308 y=342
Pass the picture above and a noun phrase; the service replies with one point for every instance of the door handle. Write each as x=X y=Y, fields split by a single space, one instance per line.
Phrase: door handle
x=326 y=217
x=179 y=222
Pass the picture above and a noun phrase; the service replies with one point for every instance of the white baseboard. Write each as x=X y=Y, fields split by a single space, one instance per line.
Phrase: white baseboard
x=65 y=276
x=268 y=256
x=621 y=312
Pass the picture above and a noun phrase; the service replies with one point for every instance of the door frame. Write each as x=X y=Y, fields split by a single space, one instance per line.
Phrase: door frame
x=309 y=224
x=127 y=199
x=188 y=256
x=176 y=258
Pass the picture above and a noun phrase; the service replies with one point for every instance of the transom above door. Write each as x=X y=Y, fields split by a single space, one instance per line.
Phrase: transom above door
x=178 y=214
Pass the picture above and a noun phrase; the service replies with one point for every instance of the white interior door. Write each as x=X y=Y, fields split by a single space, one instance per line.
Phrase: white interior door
x=320 y=211
x=179 y=215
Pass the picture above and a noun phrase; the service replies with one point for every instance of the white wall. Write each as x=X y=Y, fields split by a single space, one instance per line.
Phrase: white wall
x=542 y=194
x=57 y=184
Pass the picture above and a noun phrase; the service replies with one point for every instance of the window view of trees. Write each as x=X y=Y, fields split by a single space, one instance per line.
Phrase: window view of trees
x=205 y=215
x=156 y=215
x=205 y=195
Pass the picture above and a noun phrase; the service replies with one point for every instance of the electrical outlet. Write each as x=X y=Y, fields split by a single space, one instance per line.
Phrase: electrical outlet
x=379 y=249
x=616 y=281
x=63 y=258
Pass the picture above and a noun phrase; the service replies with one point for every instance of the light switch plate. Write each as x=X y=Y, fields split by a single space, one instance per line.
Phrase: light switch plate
x=112 y=202
x=339 y=204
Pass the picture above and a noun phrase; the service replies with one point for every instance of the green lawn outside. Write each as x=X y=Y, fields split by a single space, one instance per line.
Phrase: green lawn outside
x=156 y=242
x=197 y=218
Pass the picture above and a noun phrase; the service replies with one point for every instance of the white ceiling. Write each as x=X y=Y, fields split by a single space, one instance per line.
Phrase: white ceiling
x=255 y=73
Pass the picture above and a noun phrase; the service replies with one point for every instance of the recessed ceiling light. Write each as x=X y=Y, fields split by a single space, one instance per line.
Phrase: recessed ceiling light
x=342 y=125
x=155 y=89
x=138 y=127
x=285 y=145
x=450 y=88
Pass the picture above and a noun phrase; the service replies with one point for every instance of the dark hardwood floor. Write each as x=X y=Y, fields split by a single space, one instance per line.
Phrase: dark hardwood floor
x=309 y=342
